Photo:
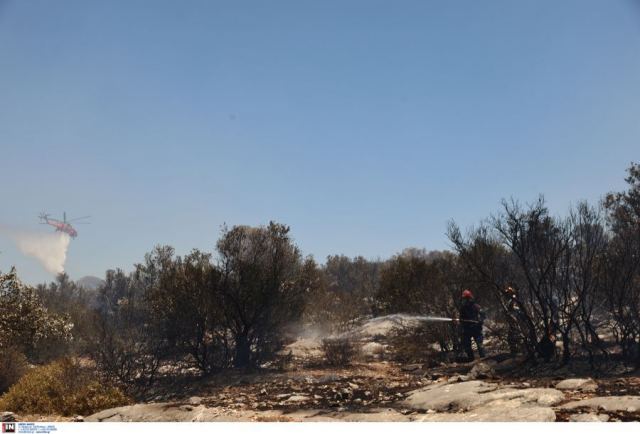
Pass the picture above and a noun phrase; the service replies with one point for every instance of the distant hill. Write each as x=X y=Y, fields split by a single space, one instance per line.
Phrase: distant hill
x=90 y=282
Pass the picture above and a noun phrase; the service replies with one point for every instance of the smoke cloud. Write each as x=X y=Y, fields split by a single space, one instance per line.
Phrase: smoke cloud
x=50 y=249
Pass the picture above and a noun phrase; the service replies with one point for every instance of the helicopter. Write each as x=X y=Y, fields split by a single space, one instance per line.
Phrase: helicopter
x=64 y=225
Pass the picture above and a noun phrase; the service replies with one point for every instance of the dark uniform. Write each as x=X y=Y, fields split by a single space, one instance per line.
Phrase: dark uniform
x=471 y=319
x=547 y=347
x=514 y=334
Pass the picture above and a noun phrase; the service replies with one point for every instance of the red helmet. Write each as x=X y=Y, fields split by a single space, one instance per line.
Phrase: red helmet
x=467 y=294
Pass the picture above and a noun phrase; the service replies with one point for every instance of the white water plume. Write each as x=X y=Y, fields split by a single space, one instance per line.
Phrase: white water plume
x=50 y=249
x=434 y=318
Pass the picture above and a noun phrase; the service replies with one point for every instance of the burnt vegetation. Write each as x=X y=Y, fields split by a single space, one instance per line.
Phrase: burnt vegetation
x=576 y=280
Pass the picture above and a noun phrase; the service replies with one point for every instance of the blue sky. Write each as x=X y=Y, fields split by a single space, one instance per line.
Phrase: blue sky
x=365 y=125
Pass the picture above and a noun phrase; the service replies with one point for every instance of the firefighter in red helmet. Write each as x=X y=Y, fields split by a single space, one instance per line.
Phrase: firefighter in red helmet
x=471 y=319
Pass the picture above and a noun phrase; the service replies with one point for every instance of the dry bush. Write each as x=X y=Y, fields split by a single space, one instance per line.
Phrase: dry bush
x=427 y=343
x=13 y=365
x=283 y=361
x=339 y=351
x=62 y=387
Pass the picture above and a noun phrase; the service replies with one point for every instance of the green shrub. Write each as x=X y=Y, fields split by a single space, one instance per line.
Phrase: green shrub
x=62 y=387
x=13 y=365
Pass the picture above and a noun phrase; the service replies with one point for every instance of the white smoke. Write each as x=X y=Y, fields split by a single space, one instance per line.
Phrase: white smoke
x=49 y=249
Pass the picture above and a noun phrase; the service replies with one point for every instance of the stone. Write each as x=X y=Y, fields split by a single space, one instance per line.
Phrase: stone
x=457 y=379
x=195 y=400
x=481 y=371
x=328 y=378
x=77 y=419
x=588 y=417
x=372 y=349
x=8 y=416
x=580 y=384
x=345 y=393
x=411 y=368
x=298 y=398
x=626 y=403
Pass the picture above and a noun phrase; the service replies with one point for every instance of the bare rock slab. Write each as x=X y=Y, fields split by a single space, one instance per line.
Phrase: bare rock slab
x=173 y=412
x=472 y=394
x=450 y=396
x=588 y=417
x=157 y=412
x=375 y=415
x=485 y=414
x=580 y=384
x=626 y=403
x=481 y=401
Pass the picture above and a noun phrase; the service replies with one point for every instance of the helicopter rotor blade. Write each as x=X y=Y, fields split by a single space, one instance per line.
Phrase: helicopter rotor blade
x=78 y=218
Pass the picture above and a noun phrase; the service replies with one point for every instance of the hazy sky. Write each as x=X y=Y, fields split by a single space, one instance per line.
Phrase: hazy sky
x=365 y=125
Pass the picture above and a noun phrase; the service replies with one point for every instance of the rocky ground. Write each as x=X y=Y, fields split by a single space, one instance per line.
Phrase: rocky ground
x=388 y=392
x=376 y=388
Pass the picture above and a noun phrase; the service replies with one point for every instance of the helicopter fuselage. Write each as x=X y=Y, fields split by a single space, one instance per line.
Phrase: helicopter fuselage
x=62 y=227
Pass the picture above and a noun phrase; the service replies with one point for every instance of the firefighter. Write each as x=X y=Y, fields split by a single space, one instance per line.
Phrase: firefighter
x=547 y=346
x=514 y=336
x=471 y=319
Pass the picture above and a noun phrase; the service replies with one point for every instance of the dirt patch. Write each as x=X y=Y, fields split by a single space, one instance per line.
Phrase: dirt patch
x=618 y=386
x=356 y=389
